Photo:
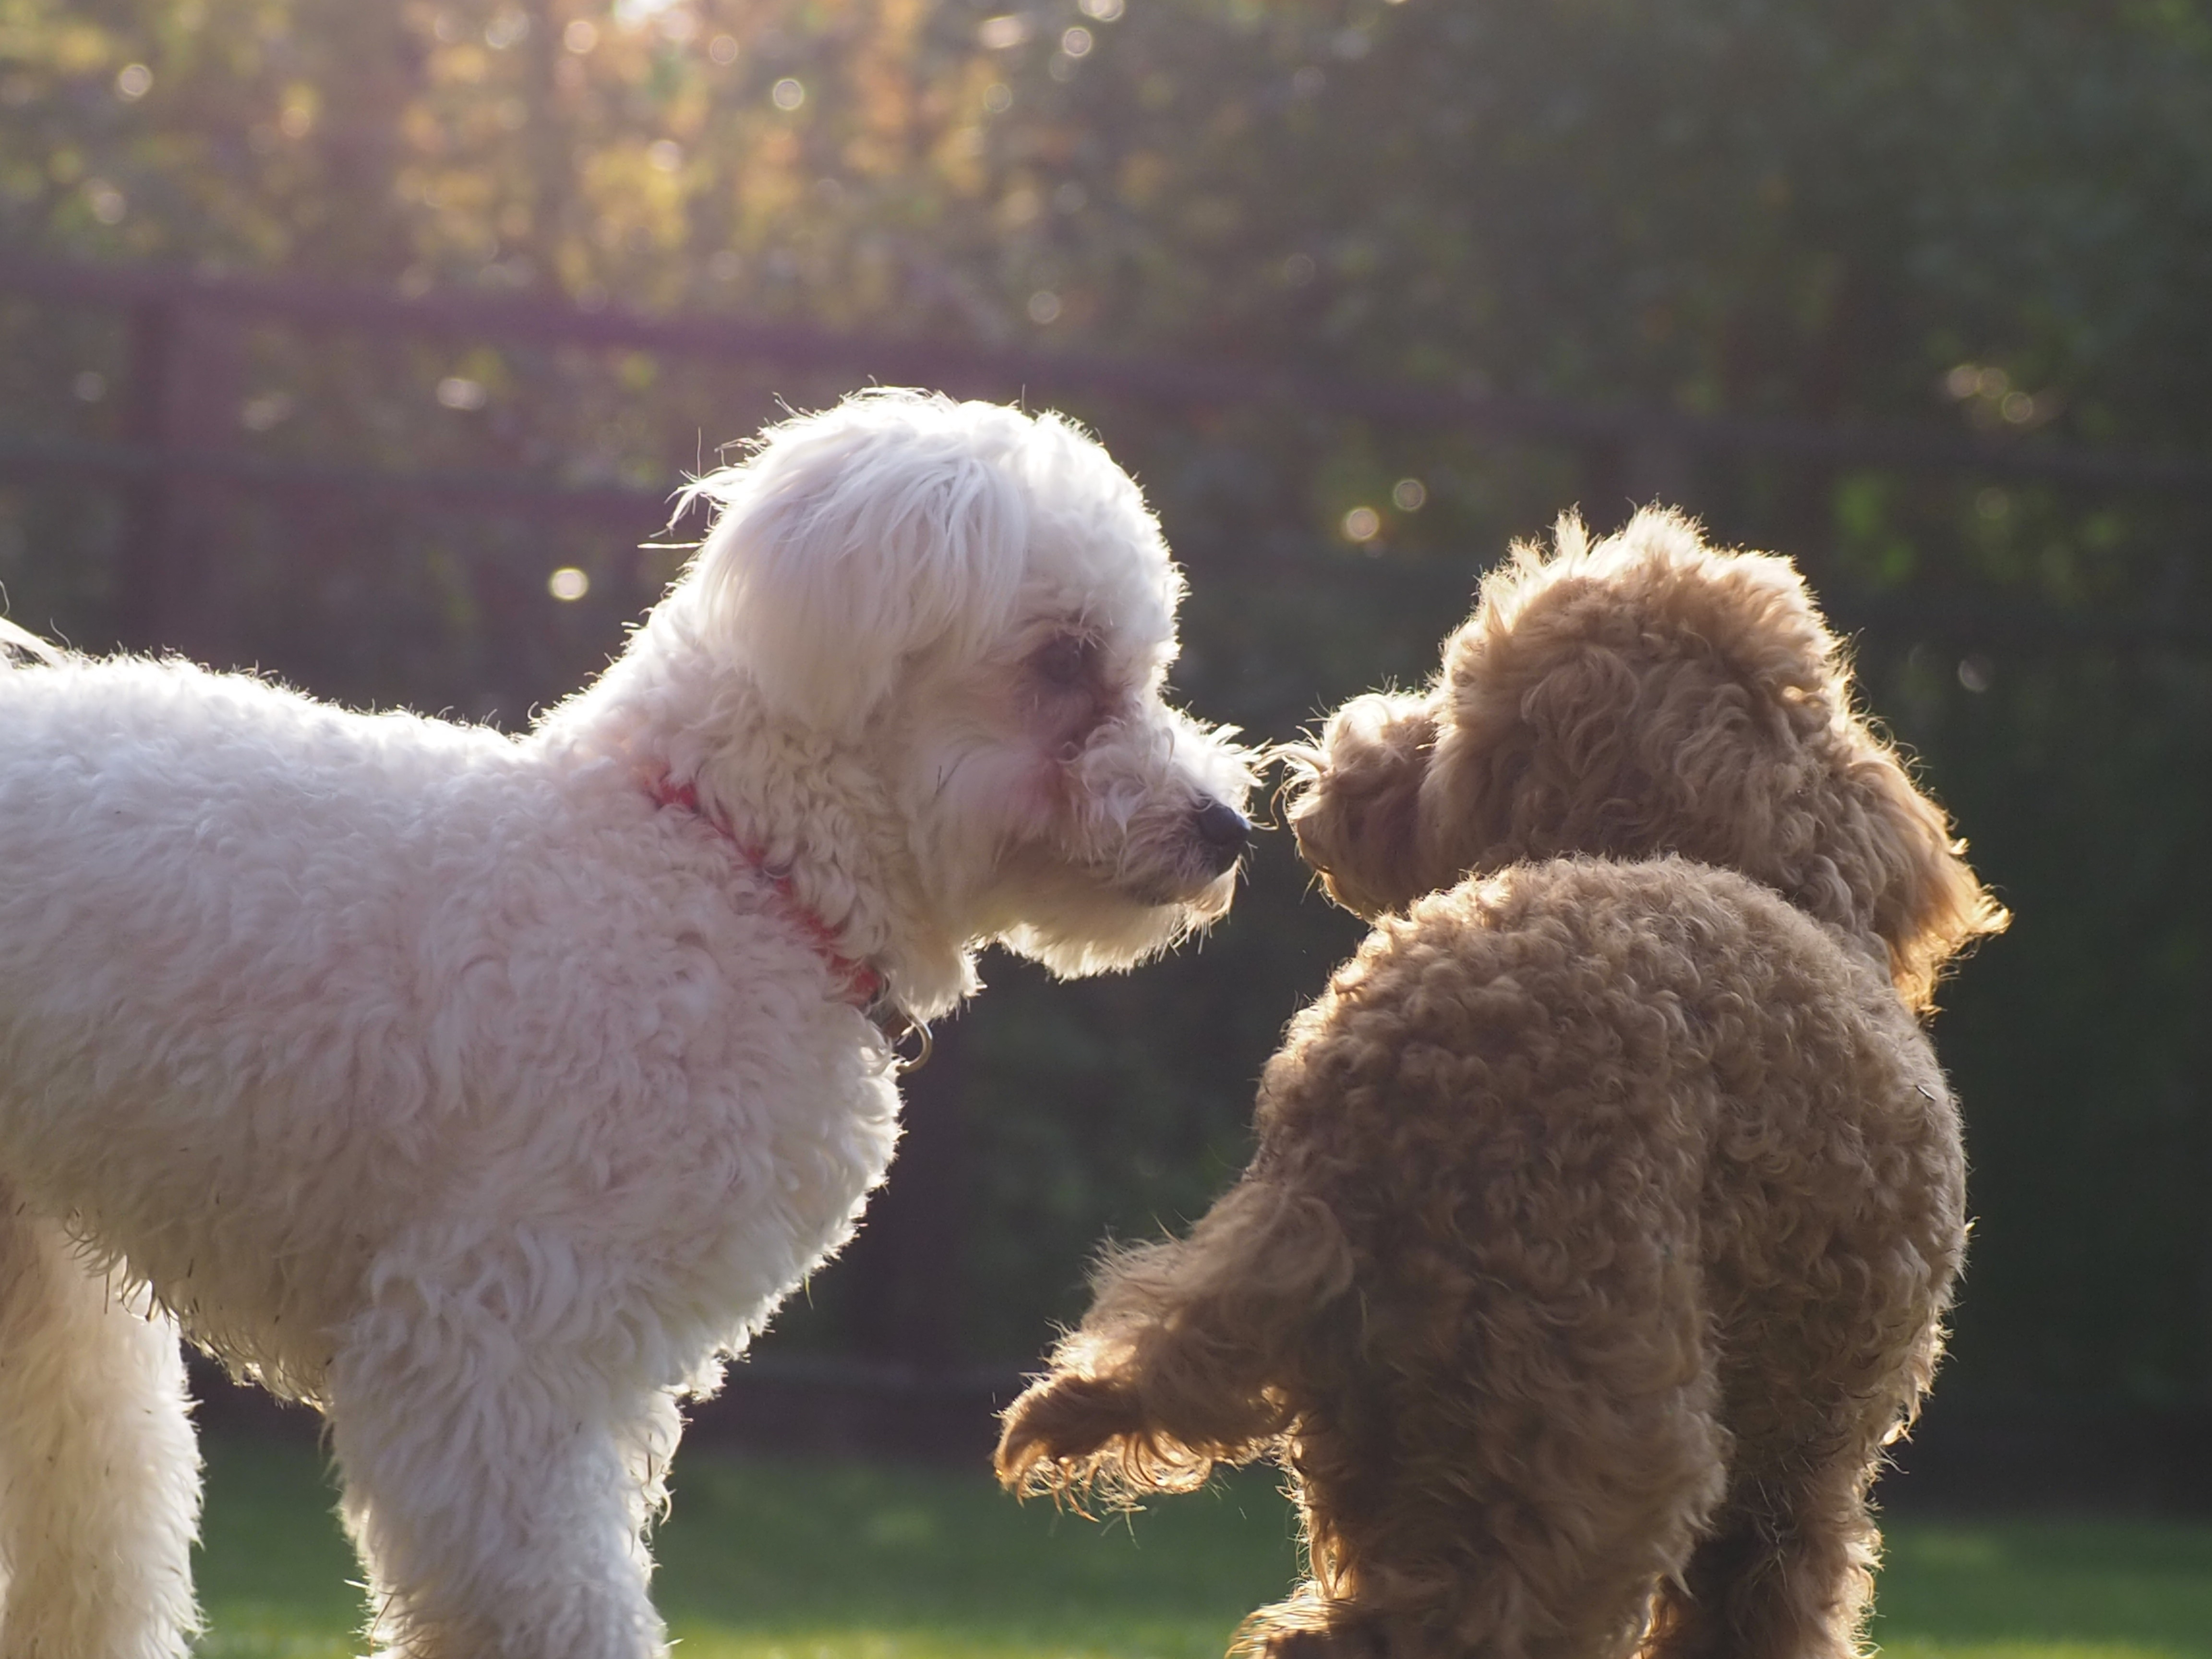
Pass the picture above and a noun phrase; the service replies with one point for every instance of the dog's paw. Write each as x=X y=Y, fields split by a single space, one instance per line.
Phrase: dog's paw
x=1054 y=1437
x=1308 y=1627
x=1076 y=1436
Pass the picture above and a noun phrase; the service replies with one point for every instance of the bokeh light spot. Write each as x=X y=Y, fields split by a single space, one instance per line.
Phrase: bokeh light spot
x=457 y=391
x=266 y=410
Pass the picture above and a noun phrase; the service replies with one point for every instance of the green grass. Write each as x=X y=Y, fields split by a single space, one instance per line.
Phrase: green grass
x=845 y=1561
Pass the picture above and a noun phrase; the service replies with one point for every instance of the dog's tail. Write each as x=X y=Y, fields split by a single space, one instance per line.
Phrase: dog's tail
x=20 y=649
x=99 y=1476
x=1190 y=1355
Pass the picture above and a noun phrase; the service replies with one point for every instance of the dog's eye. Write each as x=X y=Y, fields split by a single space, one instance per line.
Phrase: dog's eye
x=1065 y=660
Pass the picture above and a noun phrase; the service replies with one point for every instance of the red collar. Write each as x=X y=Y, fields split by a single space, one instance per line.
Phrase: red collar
x=863 y=986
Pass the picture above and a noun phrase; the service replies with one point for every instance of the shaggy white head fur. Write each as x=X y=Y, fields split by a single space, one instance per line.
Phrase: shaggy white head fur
x=486 y=1091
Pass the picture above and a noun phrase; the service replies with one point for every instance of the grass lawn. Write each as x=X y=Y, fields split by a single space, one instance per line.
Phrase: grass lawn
x=842 y=1561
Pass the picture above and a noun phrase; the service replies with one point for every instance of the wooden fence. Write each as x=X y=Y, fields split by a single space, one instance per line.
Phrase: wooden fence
x=171 y=438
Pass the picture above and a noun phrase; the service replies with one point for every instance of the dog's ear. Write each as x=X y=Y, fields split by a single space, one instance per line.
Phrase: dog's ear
x=1893 y=849
x=1356 y=808
x=852 y=539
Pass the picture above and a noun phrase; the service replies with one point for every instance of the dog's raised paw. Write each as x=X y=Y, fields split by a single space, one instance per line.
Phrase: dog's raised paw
x=1304 y=1627
x=1055 y=1431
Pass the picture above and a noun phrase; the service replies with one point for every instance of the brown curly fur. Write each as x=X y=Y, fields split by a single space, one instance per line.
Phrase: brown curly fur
x=1607 y=1204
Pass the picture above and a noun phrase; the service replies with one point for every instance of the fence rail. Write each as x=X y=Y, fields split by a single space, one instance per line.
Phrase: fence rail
x=967 y=366
x=529 y=494
x=170 y=451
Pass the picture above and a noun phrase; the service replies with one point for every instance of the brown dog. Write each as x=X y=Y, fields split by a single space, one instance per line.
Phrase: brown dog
x=1607 y=1204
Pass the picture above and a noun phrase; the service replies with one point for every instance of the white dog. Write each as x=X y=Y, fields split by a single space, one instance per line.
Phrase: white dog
x=486 y=1092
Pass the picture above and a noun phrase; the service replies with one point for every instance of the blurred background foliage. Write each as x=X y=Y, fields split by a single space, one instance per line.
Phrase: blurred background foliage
x=1948 y=217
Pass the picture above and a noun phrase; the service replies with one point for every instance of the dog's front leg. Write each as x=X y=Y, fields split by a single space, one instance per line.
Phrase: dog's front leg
x=100 y=1488
x=500 y=1463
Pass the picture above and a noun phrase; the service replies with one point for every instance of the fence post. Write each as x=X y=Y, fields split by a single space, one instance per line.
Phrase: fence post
x=141 y=564
x=1659 y=469
x=1621 y=475
x=182 y=401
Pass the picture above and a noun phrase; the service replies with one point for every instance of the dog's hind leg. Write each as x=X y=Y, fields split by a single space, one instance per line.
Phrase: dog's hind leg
x=1527 y=1448
x=1189 y=1354
x=99 y=1487
x=1787 y=1570
x=498 y=1470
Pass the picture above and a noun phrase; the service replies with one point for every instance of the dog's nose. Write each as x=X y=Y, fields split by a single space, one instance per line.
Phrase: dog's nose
x=1222 y=830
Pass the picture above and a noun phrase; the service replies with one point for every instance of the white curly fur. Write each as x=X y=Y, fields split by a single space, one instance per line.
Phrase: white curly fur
x=449 y=1081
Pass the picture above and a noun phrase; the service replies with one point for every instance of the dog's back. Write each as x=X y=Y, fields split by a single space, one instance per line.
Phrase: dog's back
x=214 y=897
x=1601 y=1219
x=1638 y=1056
x=1659 y=1017
x=270 y=972
x=1654 y=1193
